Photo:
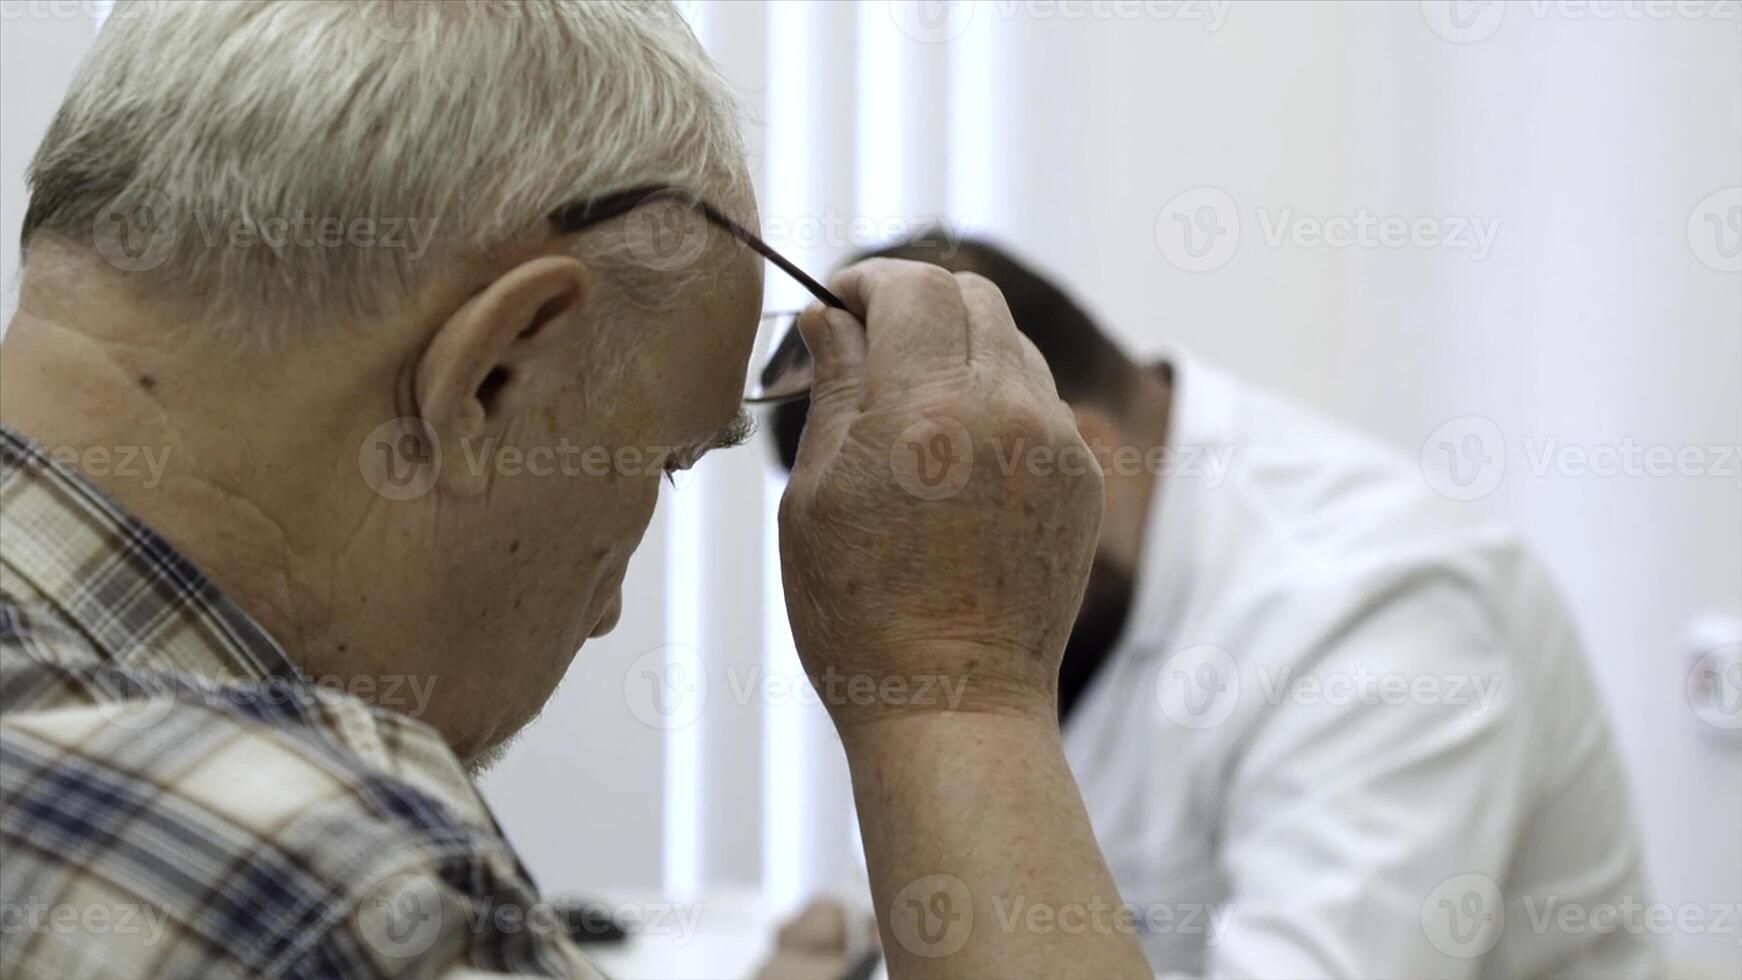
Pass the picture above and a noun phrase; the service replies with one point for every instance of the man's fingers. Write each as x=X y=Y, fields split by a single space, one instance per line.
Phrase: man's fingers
x=820 y=928
x=913 y=315
x=801 y=965
x=837 y=344
x=994 y=335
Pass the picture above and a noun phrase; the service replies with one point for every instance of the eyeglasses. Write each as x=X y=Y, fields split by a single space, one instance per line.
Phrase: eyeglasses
x=781 y=369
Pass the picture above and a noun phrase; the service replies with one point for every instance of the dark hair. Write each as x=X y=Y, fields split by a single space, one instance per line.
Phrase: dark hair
x=1087 y=366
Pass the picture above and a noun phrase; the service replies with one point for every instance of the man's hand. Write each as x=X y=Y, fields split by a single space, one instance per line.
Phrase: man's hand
x=935 y=540
x=929 y=565
x=815 y=944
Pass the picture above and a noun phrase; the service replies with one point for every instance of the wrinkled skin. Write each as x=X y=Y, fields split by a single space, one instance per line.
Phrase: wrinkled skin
x=975 y=590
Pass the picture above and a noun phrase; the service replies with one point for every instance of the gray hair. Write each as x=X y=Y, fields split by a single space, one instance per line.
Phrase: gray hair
x=276 y=141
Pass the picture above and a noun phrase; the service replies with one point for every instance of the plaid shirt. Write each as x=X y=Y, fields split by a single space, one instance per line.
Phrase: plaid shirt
x=177 y=800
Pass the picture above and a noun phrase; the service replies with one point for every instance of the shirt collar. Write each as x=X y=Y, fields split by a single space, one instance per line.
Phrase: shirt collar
x=141 y=602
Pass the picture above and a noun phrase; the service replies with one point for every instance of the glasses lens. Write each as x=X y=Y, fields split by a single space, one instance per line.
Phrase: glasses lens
x=780 y=366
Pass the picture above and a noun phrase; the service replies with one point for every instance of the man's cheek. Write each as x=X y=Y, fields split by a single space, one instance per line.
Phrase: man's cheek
x=616 y=519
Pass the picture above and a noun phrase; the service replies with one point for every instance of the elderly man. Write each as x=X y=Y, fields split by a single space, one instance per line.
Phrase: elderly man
x=1325 y=723
x=205 y=772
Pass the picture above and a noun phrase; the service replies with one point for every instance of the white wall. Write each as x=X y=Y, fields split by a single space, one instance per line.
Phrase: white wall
x=39 y=47
x=1594 y=321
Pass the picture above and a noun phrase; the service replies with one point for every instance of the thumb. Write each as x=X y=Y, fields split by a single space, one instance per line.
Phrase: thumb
x=836 y=341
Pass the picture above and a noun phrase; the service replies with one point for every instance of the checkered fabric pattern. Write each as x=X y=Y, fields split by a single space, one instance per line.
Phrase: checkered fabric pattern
x=177 y=800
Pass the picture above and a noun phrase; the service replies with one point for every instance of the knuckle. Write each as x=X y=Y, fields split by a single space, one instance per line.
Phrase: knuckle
x=1014 y=414
x=1092 y=477
x=1038 y=373
x=974 y=282
x=793 y=506
x=984 y=294
x=816 y=500
x=832 y=500
x=932 y=276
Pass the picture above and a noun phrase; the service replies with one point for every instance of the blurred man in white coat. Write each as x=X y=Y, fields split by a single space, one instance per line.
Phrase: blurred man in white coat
x=1326 y=722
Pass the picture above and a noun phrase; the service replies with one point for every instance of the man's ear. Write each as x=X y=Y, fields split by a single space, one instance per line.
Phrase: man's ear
x=497 y=355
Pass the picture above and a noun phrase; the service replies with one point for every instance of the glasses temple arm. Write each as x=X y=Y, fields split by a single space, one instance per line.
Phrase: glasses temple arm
x=574 y=217
x=763 y=249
